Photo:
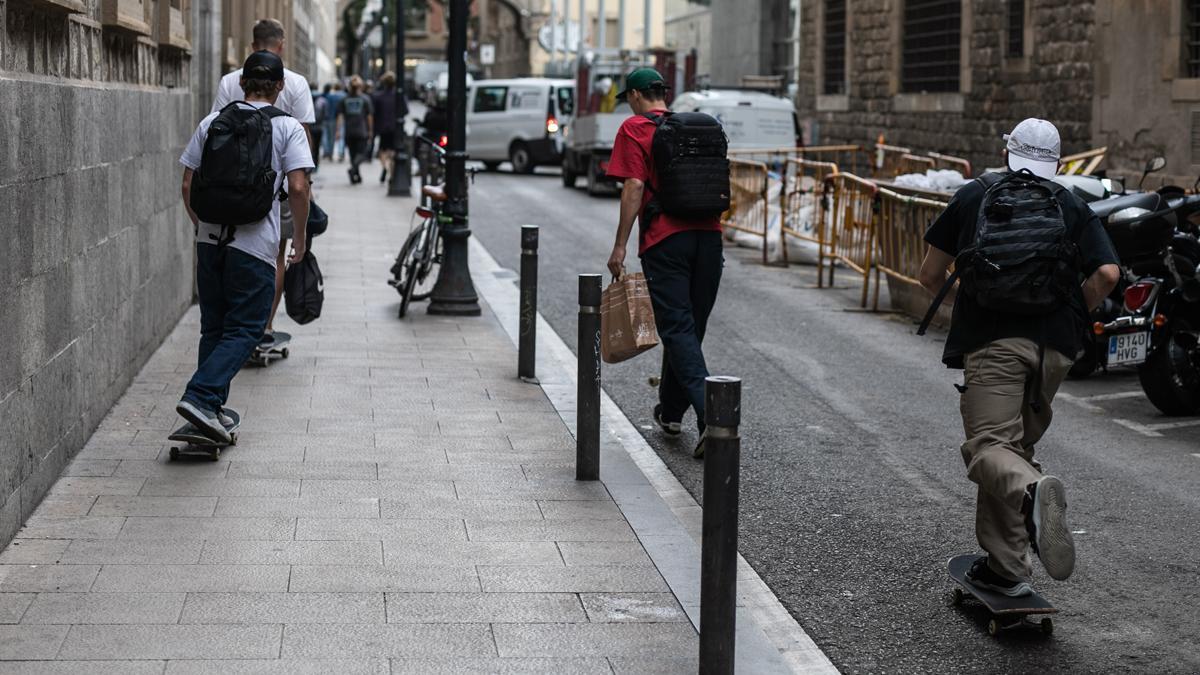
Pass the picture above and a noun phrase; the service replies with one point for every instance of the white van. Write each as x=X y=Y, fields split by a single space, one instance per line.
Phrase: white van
x=519 y=121
x=752 y=119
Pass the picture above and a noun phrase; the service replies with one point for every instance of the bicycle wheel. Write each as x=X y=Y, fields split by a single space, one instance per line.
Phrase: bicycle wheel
x=431 y=257
x=405 y=268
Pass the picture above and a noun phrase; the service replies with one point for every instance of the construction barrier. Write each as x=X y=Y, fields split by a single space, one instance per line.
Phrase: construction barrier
x=776 y=159
x=951 y=162
x=748 y=204
x=807 y=206
x=852 y=239
x=849 y=158
x=902 y=223
x=888 y=161
x=1083 y=163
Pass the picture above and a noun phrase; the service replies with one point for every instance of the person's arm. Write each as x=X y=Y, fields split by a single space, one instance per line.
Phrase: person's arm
x=1100 y=284
x=934 y=272
x=631 y=204
x=298 y=198
x=187 y=196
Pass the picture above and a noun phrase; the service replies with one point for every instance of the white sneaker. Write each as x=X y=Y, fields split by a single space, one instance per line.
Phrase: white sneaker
x=1046 y=521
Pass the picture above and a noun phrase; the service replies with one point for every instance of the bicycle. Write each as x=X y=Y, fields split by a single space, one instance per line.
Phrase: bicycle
x=413 y=273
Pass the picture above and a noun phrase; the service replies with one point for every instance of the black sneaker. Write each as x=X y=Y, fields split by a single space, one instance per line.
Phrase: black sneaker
x=1045 y=512
x=669 y=428
x=206 y=422
x=982 y=576
x=267 y=341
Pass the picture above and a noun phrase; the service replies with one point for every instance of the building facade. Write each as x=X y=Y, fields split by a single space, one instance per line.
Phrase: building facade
x=953 y=75
x=97 y=100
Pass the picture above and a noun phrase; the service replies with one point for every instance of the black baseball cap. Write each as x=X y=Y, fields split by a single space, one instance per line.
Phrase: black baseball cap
x=263 y=65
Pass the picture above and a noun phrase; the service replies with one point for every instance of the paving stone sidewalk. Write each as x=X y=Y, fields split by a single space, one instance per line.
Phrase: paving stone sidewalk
x=398 y=502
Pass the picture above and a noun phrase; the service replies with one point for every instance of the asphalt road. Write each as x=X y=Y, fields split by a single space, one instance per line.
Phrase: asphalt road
x=854 y=494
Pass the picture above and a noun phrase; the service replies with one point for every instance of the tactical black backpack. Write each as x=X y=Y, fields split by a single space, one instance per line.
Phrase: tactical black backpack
x=1022 y=260
x=690 y=166
x=235 y=184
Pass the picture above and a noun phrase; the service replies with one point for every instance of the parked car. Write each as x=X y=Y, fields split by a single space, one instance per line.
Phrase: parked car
x=519 y=121
x=752 y=119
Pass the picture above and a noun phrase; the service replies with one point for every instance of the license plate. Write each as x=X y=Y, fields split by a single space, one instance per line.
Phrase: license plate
x=1128 y=349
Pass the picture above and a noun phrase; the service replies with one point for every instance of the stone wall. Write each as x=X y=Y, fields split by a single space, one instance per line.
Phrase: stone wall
x=95 y=246
x=1053 y=81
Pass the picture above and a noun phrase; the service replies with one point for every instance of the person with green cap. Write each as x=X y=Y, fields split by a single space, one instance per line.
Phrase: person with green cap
x=681 y=257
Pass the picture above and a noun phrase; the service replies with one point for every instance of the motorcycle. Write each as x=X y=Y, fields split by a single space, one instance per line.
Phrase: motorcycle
x=1158 y=327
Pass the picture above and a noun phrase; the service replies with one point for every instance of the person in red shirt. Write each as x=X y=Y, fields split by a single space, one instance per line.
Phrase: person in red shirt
x=682 y=259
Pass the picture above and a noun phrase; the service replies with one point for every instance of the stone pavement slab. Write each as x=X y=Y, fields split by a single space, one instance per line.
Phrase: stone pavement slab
x=397 y=502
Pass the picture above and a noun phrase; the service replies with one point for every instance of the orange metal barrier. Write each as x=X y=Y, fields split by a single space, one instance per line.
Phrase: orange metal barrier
x=1083 y=163
x=748 y=208
x=850 y=158
x=888 y=159
x=951 y=162
x=900 y=232
x=852 y=238
x=910 y=163
x=807 y=188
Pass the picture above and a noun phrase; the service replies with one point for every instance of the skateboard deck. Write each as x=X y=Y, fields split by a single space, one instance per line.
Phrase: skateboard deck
x=1007 y=612
x=278 y=350
x=196 y=444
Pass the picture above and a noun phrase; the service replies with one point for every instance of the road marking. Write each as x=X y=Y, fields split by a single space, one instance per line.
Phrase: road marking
x=1196 y=455
x=1152 y=430
x=1081 y=402
x=1113 y=397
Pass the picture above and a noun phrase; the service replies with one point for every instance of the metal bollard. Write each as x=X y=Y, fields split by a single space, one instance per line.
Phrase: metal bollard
x=718 y=549
x=527 y=347
x=587 y=402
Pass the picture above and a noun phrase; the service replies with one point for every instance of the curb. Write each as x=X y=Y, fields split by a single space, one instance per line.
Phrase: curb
x=663 y=515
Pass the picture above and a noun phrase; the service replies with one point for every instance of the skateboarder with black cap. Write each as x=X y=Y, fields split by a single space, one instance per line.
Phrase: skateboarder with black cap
x=234 y=168
x=1032 y=260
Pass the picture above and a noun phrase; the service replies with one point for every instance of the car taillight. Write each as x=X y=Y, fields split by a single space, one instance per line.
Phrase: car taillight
x=551 y=125
x=1137 y=295
x=444 y=140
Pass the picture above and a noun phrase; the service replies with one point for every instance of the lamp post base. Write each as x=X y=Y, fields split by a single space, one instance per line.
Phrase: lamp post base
x=454 y=293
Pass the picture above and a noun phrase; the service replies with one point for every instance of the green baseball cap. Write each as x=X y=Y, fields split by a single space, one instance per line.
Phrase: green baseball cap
x=642 y=78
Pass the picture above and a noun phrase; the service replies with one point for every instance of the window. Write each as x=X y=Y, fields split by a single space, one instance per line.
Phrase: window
x=490 y=99
x=931 y=46
x=834 y=52
x=566 y=101
x=1191 y=55
x=415 y=18
x=1016 y=29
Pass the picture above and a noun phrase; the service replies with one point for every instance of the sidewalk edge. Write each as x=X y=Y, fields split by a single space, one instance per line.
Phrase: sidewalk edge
x=556 y=363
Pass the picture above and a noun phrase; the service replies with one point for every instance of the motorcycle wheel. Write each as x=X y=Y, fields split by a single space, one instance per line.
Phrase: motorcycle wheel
x=1169 y=376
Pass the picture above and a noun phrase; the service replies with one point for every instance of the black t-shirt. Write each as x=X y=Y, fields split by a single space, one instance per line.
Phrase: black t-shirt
x=971 y=326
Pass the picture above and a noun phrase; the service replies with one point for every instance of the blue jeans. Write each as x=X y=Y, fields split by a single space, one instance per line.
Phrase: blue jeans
x=236 y=291
x=683 y=273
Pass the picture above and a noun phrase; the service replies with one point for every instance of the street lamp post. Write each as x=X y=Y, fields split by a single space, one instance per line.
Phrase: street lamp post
x=454 y=293
x=401 y=182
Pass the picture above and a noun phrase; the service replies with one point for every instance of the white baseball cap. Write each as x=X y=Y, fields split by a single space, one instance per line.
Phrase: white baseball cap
x=1034 y=144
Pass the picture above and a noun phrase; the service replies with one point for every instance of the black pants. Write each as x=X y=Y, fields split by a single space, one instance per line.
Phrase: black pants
x=683 y=273
x=318 y=133
x=357 y=147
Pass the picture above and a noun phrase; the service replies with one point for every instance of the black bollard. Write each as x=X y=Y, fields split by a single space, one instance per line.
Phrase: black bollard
x=527 y=344
x=718 y=554
x=587 y=402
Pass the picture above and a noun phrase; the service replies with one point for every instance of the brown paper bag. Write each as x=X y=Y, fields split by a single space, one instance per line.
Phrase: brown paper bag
x=626 y=319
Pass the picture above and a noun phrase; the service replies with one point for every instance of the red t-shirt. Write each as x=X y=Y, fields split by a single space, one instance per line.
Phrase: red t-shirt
x=631 y=159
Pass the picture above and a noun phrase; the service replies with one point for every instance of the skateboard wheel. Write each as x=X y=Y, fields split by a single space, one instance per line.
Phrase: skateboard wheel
x=1047 y=626
x=232 y=440
x=284 y=352
x=653 y=381
x=993 y=628
x=956 y=598
x=216 y=454
x=174 y=454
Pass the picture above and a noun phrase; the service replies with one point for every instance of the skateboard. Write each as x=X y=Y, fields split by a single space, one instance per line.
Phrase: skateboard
x=196 y=444
x=1007 y=612
x=278 y=350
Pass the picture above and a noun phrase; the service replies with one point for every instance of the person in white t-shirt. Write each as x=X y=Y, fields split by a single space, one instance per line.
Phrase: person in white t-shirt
x=295 y=100
x=235 y=275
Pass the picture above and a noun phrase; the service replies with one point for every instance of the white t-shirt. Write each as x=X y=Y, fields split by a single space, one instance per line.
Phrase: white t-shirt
x=260 y=239
x=295 y=99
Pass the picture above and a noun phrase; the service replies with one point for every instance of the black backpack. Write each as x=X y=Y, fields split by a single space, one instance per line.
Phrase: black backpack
x=235 y=184
x=304 y=289
x=690 y=166
x=1022 y=259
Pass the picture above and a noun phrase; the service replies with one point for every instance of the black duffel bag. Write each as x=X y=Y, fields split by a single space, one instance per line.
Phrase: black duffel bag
x=304 y=289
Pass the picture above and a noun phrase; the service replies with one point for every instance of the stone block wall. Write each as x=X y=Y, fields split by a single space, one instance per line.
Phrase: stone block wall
x=95 y=246
x=1054 y=81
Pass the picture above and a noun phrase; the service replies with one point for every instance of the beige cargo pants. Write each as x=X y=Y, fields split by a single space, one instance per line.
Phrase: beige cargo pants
x=1001 y=429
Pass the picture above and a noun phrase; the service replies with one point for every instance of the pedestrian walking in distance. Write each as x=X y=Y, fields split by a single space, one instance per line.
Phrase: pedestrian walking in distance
x=295 y=100
x=389 y=106
x=234 y=169
x=1032 y=261
x=356 y=118
x=677 y=201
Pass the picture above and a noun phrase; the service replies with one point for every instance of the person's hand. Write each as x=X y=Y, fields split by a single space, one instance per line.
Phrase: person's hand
x=616 y=261
x=298 y=251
